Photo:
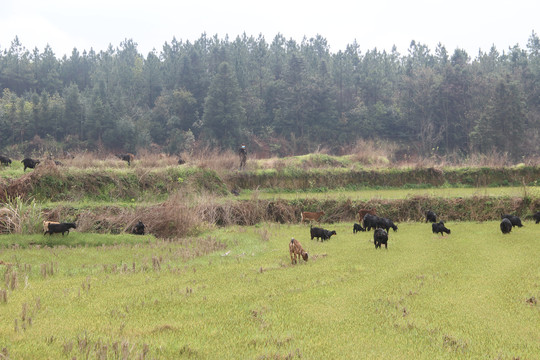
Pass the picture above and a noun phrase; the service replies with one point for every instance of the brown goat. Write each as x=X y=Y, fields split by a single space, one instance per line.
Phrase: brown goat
x=296 y=250
x=310 y=216
x=363 y=212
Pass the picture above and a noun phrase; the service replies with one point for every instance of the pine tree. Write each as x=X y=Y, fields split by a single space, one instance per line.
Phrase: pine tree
x=224 y=114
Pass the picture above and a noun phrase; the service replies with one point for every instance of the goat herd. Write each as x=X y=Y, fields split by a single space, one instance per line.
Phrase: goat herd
x=54 y=227
x=27 y=162
x=30 y=163
x=381 y=227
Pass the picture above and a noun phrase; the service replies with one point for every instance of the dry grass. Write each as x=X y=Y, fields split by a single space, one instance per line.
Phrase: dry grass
x=18 y=217
x=174 y=218
x=183 y=215
x=371 y=152
x=214 y=159
x=493 y=160
x=366 y=152
x=143 y=159
x=203 y=157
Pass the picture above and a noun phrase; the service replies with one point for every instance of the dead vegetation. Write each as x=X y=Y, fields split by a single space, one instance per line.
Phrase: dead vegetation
x=182 y=216
x=366 y=152
x=20 y=217
x=185 y=215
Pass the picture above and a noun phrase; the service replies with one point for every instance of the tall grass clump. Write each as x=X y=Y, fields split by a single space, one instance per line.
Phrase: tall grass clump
x=18 y=216
x=371 y=152
x=214 y=159
x=149 y=159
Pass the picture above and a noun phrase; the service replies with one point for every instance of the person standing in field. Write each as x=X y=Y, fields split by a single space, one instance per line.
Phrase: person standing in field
x=242 y=153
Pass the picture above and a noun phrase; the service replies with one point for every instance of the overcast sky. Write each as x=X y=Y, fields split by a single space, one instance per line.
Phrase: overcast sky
x=467 y=24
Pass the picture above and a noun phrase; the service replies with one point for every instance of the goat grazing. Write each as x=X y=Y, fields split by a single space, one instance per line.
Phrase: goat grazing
x=29 y=163
x=380 y=237
x=60 y=228
x=516 y=221
x=506 y=226
x=320 y=233
x=370 y=222
x=386 y=224
x=357 y=227
x=439 y=228
x=5 y=160
x=311 y=216
x=296 y=250
x=328 y=234
x=431 y=216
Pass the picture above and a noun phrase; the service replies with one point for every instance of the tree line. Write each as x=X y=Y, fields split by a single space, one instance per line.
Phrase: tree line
x=282 y=96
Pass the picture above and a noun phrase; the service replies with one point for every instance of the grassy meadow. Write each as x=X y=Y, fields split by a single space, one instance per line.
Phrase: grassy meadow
x=232 y=293
x=214 y=279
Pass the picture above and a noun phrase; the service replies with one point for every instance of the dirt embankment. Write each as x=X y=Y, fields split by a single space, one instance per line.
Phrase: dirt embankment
x=391 y=177
x=182 y=214
x=174 y=218
x=52 y=183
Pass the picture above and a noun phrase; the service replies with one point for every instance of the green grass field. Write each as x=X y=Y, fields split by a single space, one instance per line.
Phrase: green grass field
x=233 y=294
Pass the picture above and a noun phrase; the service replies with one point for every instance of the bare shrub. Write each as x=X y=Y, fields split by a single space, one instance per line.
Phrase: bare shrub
x=221 y=213
x=171 y=219
x=282 y=212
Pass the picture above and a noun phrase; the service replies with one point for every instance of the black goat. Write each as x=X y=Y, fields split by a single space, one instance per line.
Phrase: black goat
x=506 y=226
x=321 y=234
x=126 y=157
x=516 y=221
x=357 y=227
x=380 y=237
x=316 y=232
x=5 y=160
x=370 y=221
x=29 y=163
x=60 y=228
x=439 y=228
x=328 y=234
x=431 y=216
x=386 y=224
x=536 y=217
x=138 y=229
